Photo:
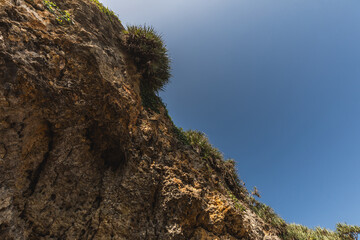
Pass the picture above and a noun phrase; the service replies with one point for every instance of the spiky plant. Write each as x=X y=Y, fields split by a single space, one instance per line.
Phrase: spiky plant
x=149 y=54
x=201 y=143
x=268 y=215
x=348 y=232
x=300 y=232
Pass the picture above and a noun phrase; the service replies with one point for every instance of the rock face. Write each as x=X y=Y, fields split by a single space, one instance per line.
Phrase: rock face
x=80 y=158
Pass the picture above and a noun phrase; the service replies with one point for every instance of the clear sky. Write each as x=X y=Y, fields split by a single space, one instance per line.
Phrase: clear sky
x=275 y=84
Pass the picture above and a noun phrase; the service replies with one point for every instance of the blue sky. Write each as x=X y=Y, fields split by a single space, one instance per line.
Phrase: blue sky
x=275 y=85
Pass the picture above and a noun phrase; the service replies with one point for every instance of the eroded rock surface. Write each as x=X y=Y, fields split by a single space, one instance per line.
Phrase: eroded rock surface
x=79 y=156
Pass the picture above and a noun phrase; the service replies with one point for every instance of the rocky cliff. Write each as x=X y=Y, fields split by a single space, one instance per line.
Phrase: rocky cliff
x=80 y=157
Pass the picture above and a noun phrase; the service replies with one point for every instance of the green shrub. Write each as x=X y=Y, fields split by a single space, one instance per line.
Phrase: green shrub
x=225 y=168
x=300 y=232
x=201 y=144
x=150 y=56
x=180 y=134
x=348 y=232
x=268 y=215
x=343 y=232
x=150 y=99
x=236 y=202
x=230 y=168
x=296 y=232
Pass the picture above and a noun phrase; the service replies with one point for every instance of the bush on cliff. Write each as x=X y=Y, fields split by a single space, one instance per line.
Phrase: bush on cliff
x=268 y=215
x=300 y=232
x=150 y=56
x=348 y=232
x=202 y=145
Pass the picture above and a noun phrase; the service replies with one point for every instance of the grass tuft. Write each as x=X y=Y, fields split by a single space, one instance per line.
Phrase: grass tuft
x=300 y=232
x=180 y=134
x=267 y=214
x=199 y=141
x=348 y=232
x=236 y=202
x=111 y=15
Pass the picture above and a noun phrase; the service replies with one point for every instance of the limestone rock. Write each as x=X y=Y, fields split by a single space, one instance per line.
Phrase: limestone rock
x=79 y=156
